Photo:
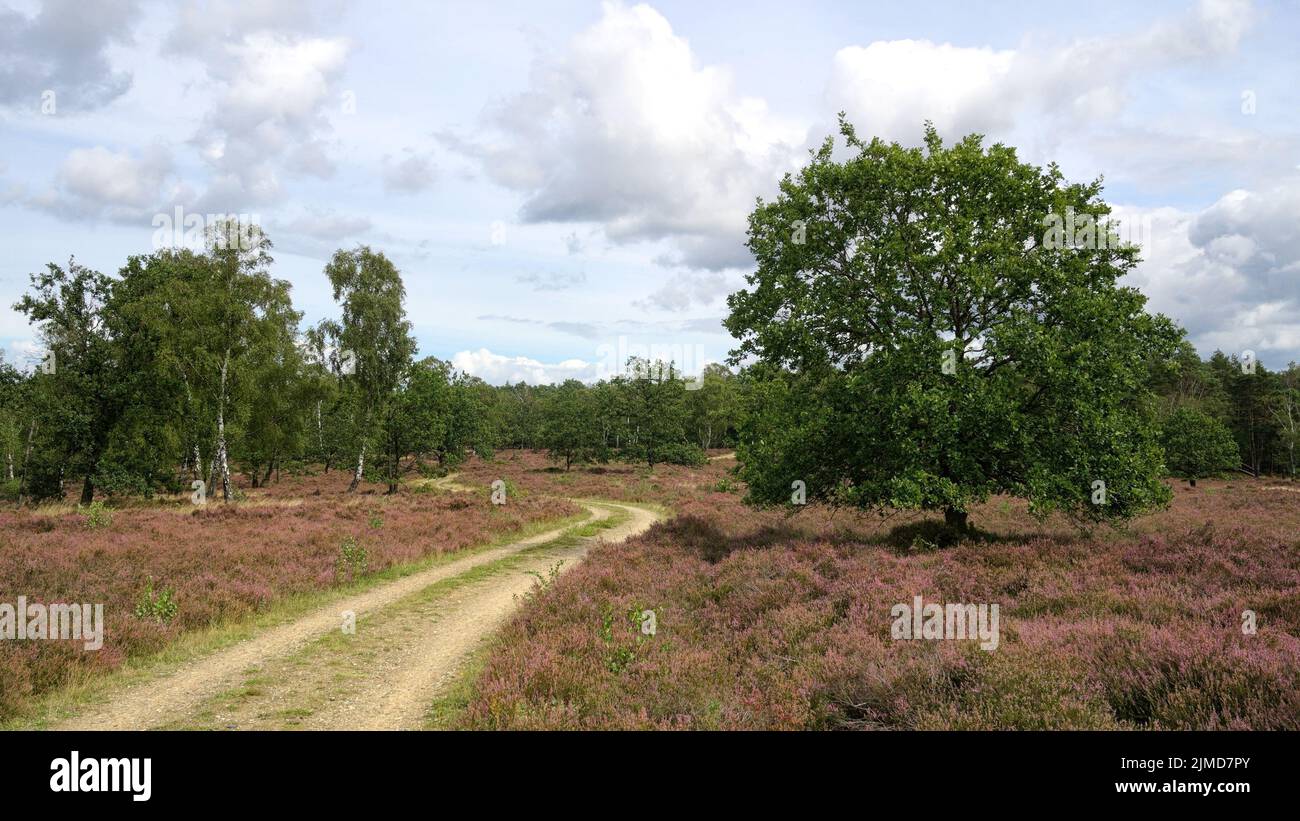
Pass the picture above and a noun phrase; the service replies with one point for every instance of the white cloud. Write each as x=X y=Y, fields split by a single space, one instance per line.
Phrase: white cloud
x=115 y=185
x=505 y=370
x=203 y=27
x=628 y=131
x=115 y=178
x=687 y=288
x=1230 y=273
x=24 y=354
x=275 y=89
x=889 y=88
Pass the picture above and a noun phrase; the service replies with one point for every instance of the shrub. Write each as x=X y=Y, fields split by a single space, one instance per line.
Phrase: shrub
x=160 y=606
x=98 y=516
x=353 y=560
x=1197 y=445
x=681 y=453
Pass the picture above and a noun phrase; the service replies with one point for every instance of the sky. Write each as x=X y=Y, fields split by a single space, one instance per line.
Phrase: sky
x=563 y=184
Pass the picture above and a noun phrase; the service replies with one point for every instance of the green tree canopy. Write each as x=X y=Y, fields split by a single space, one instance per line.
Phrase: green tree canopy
x=1197 y=445
x=571 y=432
x=374 y=334
x=929 y=341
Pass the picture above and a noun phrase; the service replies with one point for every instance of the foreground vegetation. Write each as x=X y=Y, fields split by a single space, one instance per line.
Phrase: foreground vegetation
x=764 y=619
x=772 y=622
x=167 y=568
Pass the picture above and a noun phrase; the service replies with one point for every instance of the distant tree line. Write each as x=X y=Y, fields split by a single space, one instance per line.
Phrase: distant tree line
x=186 y=367
x=189 y=366
x=1226 y=413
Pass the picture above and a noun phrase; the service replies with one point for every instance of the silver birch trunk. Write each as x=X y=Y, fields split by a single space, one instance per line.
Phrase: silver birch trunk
x=221 y=432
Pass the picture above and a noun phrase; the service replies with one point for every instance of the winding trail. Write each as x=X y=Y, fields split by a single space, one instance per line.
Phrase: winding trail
x=412 y=636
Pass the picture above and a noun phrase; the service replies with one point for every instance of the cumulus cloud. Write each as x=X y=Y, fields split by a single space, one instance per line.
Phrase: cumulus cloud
x=626 y=130
x=889 y=88
x=116 y=185
x=203 y=28
x=276 y=90
x=496 y=369
x=1257 y=234
x=1229 y=273
x=275 y=79
x=63 y=48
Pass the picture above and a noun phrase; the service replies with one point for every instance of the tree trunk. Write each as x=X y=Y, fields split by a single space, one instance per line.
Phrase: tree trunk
x=210 y=487
x=955 y=519
x=221 y=432
x=394 y=469
x=27 y=456
x=87 y=491
x=269 y=467
x=361 y=467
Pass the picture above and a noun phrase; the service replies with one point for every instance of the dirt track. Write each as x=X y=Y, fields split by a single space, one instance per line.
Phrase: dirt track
x=406 y=646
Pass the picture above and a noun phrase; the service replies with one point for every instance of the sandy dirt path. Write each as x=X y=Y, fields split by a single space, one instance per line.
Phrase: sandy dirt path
x=175 y=697
x=387 y=675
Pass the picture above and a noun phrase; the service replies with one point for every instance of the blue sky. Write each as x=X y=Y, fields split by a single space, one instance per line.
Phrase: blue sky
x=556 y=180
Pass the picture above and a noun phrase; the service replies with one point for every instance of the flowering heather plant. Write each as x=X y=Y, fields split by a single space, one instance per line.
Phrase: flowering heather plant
x=532 y=472
x=220 y=562
x=774 y=622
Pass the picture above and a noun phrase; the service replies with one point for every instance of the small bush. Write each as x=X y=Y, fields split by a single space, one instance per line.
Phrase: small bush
x=726 y=485
x=681 y=453
x=619 y=655
x=353 y=560
x=1197 y=445
x=98 y=516
x=160 y=606
x=542 y=583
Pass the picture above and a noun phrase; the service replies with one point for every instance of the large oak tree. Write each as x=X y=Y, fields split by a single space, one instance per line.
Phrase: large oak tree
x=927 y=343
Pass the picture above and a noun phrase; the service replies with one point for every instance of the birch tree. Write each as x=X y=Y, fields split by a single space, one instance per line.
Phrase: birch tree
x=373 y=333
